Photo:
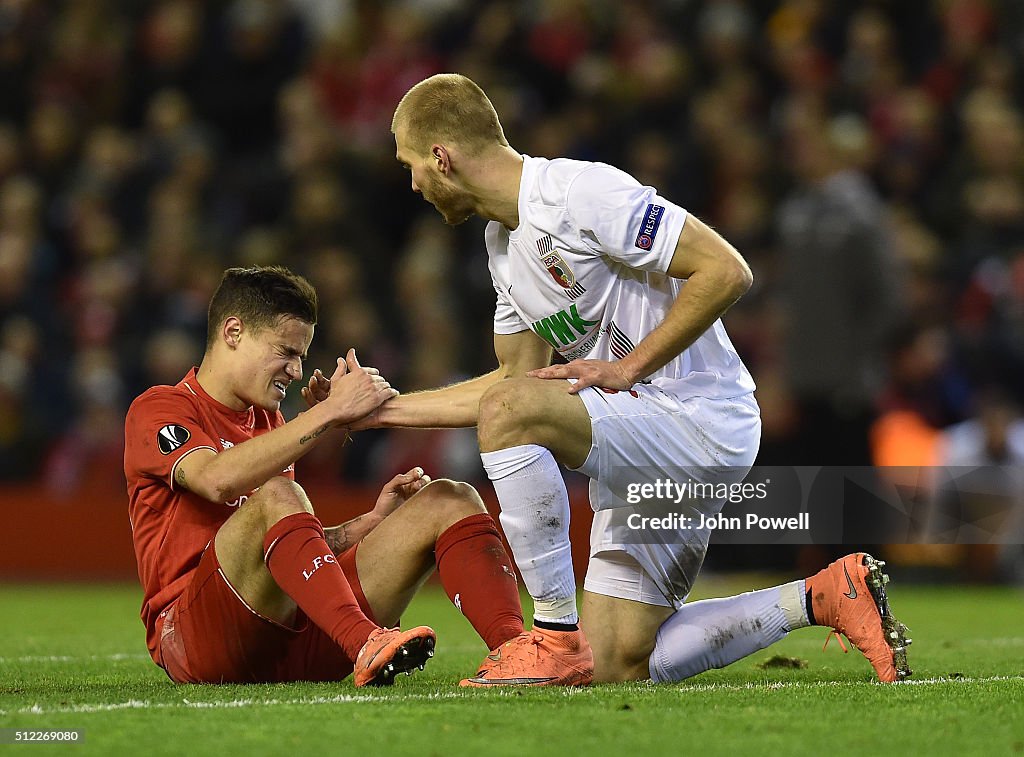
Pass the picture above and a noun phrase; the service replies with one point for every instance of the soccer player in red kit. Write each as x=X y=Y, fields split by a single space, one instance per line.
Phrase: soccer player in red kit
x=242 y=583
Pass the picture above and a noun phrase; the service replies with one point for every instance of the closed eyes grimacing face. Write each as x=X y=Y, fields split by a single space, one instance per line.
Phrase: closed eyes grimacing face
x=271 y=360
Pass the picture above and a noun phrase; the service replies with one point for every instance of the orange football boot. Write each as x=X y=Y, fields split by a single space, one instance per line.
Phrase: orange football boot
x=390 y=651
x=849 y=596
x=538 y=658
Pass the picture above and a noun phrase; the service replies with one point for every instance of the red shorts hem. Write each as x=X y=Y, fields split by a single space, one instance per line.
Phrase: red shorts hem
x=211 y=635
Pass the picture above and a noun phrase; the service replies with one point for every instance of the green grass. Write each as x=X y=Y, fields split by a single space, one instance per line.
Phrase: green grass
x=74 y=657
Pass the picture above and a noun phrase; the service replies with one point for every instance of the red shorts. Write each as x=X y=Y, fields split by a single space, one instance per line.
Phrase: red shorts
x=210 y=635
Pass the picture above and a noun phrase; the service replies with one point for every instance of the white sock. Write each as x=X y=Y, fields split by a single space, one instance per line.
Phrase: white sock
x=713 y=633
x=535 y=517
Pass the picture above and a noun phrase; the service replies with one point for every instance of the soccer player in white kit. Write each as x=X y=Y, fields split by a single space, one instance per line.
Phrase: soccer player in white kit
x=629 y=289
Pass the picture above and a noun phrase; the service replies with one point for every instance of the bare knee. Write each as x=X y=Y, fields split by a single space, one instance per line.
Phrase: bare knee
x=276 y=499
x=507 y=415
x=444 y=502
x=514 y=412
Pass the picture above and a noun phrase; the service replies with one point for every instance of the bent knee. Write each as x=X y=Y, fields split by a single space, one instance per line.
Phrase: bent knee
x=278 y=498
x=520 y=411
x=446 y=502
x=508 y=405
x=510 y=395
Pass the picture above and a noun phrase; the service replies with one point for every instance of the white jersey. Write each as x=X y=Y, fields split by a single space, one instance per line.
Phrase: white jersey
x=586 y=271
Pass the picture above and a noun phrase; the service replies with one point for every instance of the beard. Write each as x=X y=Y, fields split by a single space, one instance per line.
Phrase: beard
x=454 y=206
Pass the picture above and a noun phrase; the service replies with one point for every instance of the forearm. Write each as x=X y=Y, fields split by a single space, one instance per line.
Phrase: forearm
x=455 y=406
x=715 y=277
x=345 y=536
x=703 y=299
x=244 y=467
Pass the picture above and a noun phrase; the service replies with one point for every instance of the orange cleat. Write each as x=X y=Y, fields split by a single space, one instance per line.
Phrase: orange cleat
x=849 y=596
x=538 y=658
x=492 y=659
x=390 y=651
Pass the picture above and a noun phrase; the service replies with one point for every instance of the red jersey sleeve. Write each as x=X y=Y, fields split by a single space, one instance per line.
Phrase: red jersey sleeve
x=162 y=427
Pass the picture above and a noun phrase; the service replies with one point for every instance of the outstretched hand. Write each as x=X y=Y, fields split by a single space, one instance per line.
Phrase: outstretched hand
x=608 y=374
x=398 y=490
x=357 y=390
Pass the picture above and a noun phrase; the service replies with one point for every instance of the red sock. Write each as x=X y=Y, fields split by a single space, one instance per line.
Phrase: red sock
x=308 y=572
x=478 y=577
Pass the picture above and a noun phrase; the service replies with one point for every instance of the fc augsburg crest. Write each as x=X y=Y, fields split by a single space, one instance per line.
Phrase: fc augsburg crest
x=559 y=271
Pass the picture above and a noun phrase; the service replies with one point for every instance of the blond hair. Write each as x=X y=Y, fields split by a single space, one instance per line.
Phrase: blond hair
x=448 y=107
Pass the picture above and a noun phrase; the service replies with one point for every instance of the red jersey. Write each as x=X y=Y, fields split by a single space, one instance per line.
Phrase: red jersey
x=171 y=527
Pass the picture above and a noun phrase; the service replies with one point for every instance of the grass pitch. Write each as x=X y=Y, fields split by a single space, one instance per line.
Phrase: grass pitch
x=75 y=657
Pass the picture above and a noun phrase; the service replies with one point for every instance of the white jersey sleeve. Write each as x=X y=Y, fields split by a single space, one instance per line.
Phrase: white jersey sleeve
x=617 y=216
x=506 y=319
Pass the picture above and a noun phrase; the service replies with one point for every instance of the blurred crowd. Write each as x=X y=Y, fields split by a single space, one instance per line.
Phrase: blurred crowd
x=867 y=158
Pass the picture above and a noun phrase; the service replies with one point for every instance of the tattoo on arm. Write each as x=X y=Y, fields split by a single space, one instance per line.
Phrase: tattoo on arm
x=337 y=538
x=342 y=537
x=179 y=476
x=314 y=435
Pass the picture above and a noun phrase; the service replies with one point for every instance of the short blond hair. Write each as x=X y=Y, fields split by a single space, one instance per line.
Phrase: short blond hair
x=448 y=107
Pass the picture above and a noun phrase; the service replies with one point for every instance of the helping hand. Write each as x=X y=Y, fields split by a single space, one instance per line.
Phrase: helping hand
x=358 y=390
x=608 y=374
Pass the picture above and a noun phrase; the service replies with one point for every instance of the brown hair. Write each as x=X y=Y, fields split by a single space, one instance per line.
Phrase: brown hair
x=261 y=296
x=448 y=107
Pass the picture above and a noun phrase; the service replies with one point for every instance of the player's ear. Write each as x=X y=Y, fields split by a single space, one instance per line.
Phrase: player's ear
x=441 y=158
x=231 y=331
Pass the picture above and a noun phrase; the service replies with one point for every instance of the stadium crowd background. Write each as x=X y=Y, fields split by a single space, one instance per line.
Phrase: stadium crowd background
x=867 y=158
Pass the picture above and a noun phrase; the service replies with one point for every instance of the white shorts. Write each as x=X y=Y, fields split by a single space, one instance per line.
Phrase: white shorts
x=643 y=436
x=615 y=573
